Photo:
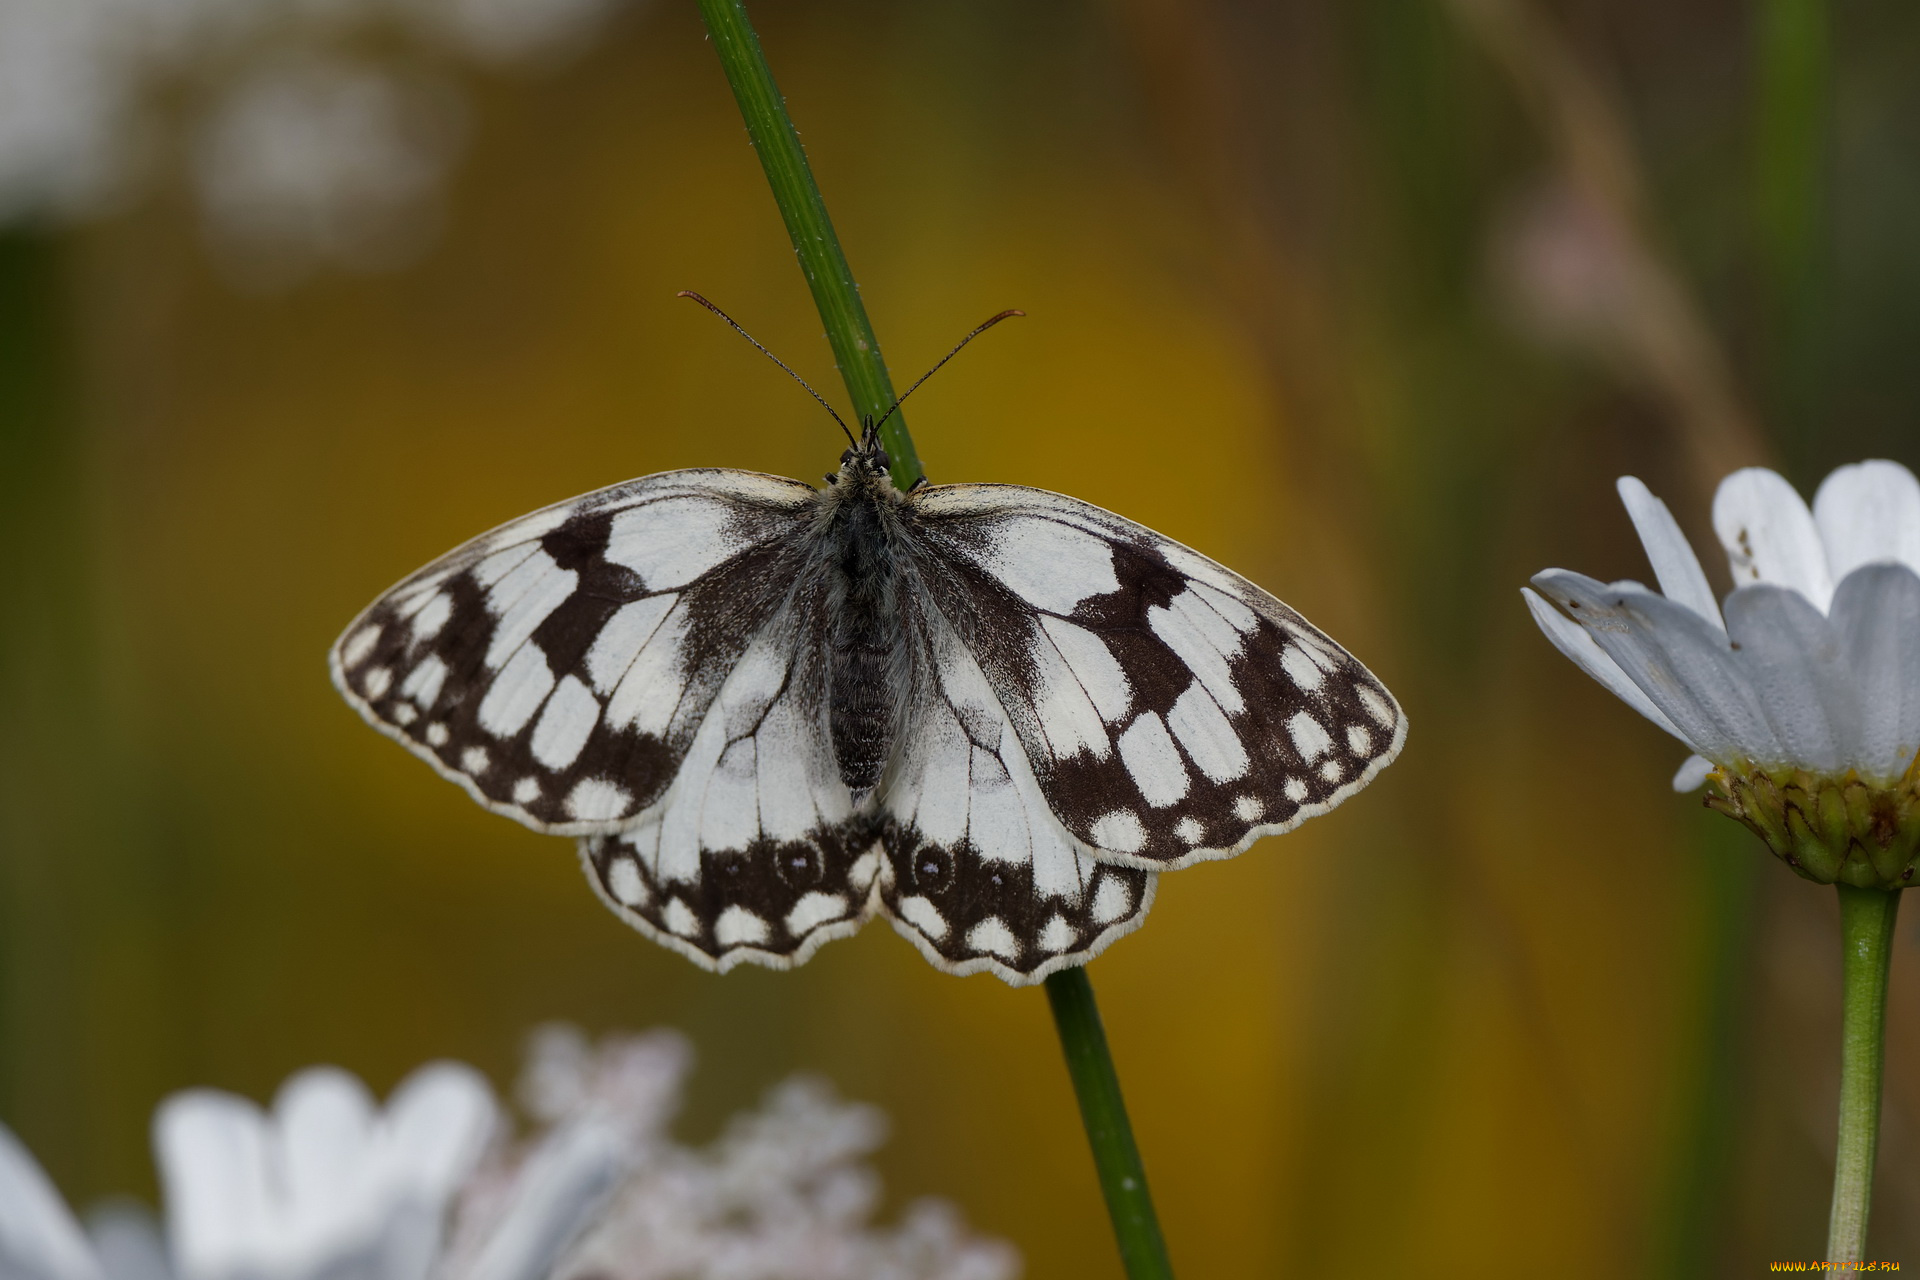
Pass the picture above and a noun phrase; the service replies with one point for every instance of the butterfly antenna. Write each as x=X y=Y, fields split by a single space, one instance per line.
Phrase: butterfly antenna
x=943 y=359
x=688 y=293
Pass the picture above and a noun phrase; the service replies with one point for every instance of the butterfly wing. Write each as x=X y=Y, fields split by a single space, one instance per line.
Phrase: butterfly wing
x=753 y=852
x=981 y=875
x=560 y=667
x=1170 y=710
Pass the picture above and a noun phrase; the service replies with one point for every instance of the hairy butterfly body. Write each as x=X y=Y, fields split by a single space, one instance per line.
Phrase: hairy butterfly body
x=990 y=713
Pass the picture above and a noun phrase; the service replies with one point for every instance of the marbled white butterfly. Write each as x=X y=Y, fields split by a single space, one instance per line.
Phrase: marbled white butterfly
x=769 y=711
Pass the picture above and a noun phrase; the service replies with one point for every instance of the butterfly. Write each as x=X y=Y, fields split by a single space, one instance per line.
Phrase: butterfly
x=989 y=713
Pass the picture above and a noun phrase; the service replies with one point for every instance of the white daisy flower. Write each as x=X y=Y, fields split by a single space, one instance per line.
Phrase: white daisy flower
x=1800 y=693
x=325 y=1184
x=328 y=1185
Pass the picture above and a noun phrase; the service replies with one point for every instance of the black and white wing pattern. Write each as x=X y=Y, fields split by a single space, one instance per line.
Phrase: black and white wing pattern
x=757 y=852
x=754 y=851
x=981 y=875
x=1169 y=710
x=1044 y=706
x=560 y=667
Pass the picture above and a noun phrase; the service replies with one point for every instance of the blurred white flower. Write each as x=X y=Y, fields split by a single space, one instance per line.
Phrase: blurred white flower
x=326 y=1184
x=783 y=1194
x=1801 y=695
x=330 y=1186
x=603 y=1113
x=506 y=31
x=319 y=157
x=328 y=1181
x=297 y=148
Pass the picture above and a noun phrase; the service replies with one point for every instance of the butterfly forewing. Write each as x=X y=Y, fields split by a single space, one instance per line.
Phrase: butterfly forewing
x=560 y=666
x=1171 y=711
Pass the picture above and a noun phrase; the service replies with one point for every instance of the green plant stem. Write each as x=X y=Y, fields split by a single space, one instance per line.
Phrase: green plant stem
x=823 y=263
x=1123 y=1180
x=1866 y=939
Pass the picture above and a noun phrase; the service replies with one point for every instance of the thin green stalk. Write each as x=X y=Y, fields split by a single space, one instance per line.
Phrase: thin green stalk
x=1866 y=938
x=855 y=348
x=1123 y=1180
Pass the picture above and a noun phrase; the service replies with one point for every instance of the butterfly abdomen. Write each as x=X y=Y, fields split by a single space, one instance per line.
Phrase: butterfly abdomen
x=862 y=566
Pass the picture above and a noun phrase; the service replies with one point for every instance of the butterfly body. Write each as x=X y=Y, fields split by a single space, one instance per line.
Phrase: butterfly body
x=863 y=521
x=988 y=713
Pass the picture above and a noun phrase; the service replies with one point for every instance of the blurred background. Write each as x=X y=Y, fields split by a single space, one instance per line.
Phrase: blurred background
x=1370 y=299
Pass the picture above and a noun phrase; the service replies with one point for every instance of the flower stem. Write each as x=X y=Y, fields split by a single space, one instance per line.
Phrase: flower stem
x=1135 y=1226
x=850 y=333
x=1122 y=1177
x=1866 y=936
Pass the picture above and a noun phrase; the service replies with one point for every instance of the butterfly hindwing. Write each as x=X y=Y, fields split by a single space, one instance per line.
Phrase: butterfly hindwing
x=754 y=850
x=769 y=904
x=1171 y=711
x=980 y=874
x=559 y=666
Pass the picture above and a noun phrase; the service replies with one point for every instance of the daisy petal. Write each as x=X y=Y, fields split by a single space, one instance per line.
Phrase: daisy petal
x=325 y=1118
x=1680 y=660
x=127 y=1239
x=39 y=1240
x=1692 y=773
x=438 y=1122
x=1794 y=661
x=1876 y=611
x=1866 y=512
x=1675 y=566
x=212 y=1149
x=1770 y=536
x=1571 y=639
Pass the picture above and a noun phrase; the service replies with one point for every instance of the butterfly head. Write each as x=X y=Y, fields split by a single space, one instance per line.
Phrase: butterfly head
x=866 y=458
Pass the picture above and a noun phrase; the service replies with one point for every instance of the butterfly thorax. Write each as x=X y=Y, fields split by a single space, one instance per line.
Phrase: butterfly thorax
x=862 y=531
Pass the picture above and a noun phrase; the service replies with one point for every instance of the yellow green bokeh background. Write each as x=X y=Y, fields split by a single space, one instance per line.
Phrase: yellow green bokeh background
x=1516 y=1009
